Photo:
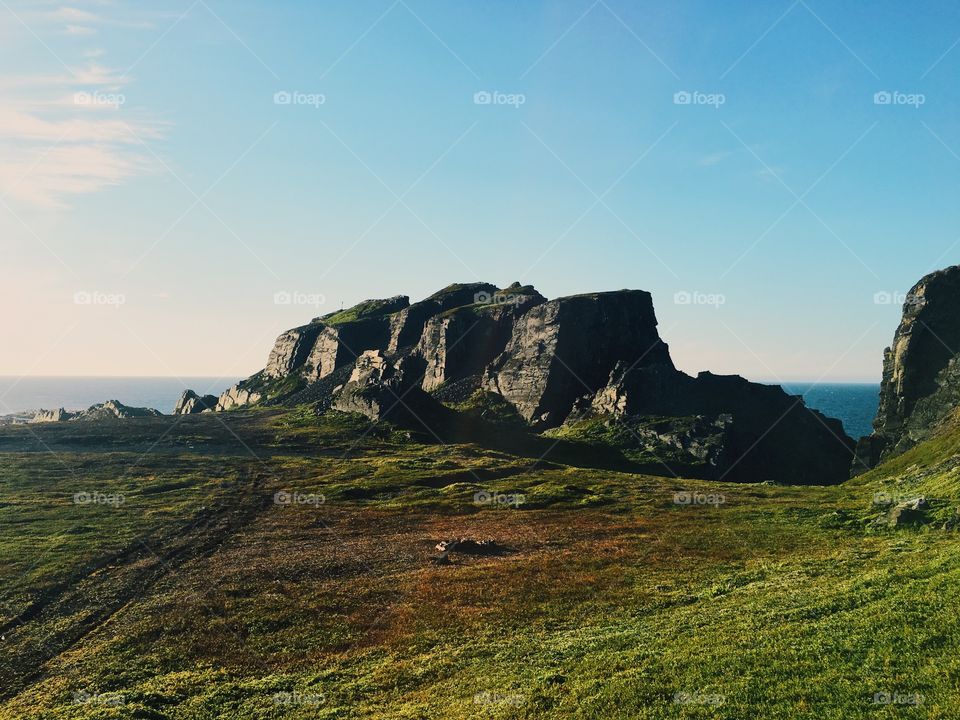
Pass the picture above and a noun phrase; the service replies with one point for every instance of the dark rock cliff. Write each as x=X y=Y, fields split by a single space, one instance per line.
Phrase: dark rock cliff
x=592 y=358
x=921 y=371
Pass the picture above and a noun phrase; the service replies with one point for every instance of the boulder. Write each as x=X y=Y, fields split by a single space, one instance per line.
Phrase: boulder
x=908 y=512
x=190 y=403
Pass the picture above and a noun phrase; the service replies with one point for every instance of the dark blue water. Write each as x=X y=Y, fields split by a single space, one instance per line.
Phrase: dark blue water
x=77 y=393
x=853 y=403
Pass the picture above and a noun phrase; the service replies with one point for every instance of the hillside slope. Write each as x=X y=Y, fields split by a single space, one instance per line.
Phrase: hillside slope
x=275 y=564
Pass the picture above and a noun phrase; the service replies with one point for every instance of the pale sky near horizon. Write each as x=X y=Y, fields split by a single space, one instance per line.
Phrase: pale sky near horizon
x=777 y=174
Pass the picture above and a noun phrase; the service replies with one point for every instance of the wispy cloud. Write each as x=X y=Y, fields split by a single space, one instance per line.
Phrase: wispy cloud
x=70 y=133
x=715 y=158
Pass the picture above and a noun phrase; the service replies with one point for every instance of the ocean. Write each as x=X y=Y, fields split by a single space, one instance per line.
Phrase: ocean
x=853 y=403
x=79 y=393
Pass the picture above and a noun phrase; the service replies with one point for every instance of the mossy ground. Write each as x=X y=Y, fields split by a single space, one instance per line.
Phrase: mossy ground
x=199 y=596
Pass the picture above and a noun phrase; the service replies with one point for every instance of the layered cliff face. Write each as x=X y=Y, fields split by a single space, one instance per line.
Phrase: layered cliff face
x=592 y=358
x=921 y=370
x=564 y=348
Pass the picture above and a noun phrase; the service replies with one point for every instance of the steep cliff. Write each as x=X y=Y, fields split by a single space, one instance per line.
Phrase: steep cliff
x=921 y=370
x=571 y=362
x=564 y=348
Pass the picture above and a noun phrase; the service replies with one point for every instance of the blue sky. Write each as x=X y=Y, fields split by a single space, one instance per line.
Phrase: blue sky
x=158 y=193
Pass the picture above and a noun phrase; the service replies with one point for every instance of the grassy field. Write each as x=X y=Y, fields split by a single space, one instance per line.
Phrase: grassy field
x=270 y=564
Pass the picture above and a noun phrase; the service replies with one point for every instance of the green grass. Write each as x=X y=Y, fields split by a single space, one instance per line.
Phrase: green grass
x=781 y=602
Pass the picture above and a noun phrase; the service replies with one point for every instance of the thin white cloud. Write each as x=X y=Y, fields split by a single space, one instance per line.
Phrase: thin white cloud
x=66 y=136
x=71 y=15
x=72 y=133
x=715 y=158
x=80 y=30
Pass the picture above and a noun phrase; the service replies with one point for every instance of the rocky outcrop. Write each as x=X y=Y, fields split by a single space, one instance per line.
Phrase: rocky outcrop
x=406 y=326
x=769 y=435
x=109 y=410
x=564 y=348
x=191 y=404
x=380 y=390
x=58 y=415
x=462 y=342
x=921 y=370
x=291 y=350
x=237 y=396
x=596 y=356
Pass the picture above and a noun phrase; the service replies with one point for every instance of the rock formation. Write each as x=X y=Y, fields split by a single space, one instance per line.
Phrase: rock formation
x=109 y=410
x=921 y=370
x=190 y=403
x=572 y=359
x=564 y=348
